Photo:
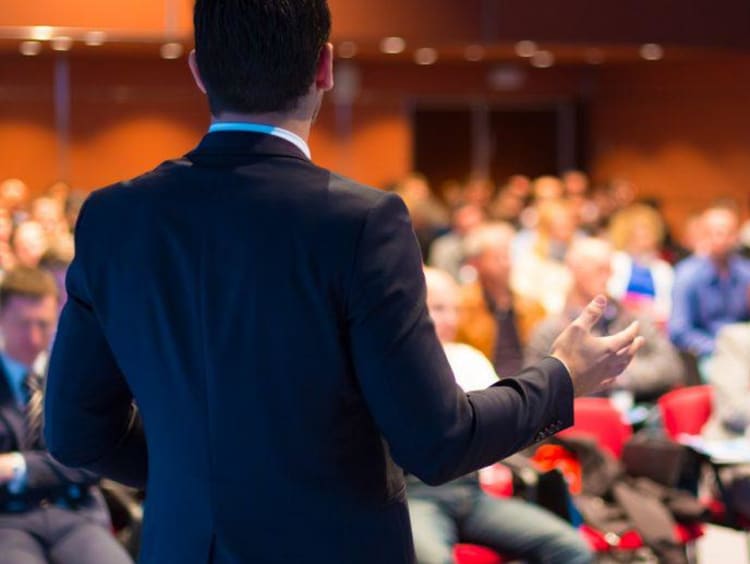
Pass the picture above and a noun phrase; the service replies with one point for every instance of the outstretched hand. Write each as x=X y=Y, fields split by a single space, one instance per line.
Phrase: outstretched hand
x=594 y=362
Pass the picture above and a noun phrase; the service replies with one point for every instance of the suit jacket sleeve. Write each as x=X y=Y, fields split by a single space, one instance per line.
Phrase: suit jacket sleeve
x=90 y=420
x=433 y=428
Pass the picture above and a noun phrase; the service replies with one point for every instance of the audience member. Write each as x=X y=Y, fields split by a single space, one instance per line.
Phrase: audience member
x=656 y=367
x=729 y=376
x=429 y=216
x=50 y=214
x=539 y=272
x=14 y=196
x=56 y=261
x=459 y=511
x=48 y=513
x=494 y=319
x=29 y=243
x=543 y=189
x=478 y=191
x=447 y=251
x=508 y=206
x=711 y=289
x=576 y=185
x=641 y=281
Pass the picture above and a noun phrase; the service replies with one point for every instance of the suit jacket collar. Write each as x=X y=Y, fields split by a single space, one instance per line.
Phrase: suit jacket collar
x=214 y=147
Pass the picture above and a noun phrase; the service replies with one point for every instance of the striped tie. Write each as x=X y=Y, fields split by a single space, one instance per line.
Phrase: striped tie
x=34 y=409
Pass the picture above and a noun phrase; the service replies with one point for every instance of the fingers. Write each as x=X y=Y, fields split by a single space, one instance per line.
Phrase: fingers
x=592 y=313
x=623 y=339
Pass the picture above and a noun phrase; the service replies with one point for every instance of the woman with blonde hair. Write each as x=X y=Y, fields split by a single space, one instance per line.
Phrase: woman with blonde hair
x=539 y=271
x=641 y=280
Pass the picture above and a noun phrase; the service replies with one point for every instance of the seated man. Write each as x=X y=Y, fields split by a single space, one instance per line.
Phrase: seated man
x=495 y=319
x=460 y=511
x=729 y=375
x=710 y=290
x=48 y=513
x=656 y=367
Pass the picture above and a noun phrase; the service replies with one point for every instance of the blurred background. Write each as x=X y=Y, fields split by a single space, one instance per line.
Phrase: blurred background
x=654 y=93
x=547 y=152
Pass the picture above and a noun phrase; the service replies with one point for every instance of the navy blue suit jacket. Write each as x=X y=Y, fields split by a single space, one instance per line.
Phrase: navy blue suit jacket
x=46 y=479
x=268 y=317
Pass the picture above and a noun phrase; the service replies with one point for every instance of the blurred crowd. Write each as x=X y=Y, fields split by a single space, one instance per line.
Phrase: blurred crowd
x=37 y=232
x=507 y=268
x=537 y=249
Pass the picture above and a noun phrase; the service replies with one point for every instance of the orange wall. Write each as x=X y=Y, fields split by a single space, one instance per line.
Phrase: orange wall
x=678 y=131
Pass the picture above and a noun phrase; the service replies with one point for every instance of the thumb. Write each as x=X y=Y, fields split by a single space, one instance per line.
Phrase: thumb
x=591 y=314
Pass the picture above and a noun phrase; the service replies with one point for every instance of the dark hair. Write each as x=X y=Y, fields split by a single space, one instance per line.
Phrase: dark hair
x=27 y=283
x=259 y=56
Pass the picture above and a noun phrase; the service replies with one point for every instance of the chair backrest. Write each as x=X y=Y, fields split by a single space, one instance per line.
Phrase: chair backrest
x=598 y=418
x=686 y=410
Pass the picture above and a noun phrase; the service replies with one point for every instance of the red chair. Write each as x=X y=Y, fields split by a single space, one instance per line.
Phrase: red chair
x=686 y=410
x=475 y=554
x=597 y=417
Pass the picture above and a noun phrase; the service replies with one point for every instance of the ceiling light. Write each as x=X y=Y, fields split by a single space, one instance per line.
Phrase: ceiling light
x=506 y=77
x=347 y=49
x=652 y=51
x=526 y=49
x=474 y=53
x=543 y=59
x=171 y=50
x=30 y=48
x=393 y=45
x=426 y=56
x=62 y=43
x=94 y=38
x=42 y=32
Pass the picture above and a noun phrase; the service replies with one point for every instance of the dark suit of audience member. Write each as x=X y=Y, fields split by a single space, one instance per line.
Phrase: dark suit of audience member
x=268 y=317
x=48 y=513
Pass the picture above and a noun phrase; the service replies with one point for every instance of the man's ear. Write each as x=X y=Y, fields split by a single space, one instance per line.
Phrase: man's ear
x=324 y=72
x=193 y=64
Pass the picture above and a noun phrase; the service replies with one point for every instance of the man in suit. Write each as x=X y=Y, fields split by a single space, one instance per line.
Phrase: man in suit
x=280 y=354
x=48 y=513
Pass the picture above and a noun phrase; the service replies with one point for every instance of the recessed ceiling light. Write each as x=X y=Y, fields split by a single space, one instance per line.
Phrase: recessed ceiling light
x=42 y=32
x=172 y=50
x=474 y=53
x=543 y=59
x=652 y=52
x=61 y=43
x=526 y=49
x=393 y=45
x=94 y=38
x=426 y=56
x=347 y=49
x=30 y=48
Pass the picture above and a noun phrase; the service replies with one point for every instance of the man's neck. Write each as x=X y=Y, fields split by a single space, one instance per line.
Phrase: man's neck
x=298 y=125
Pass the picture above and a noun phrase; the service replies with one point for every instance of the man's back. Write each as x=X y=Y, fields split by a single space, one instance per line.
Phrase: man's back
x=232 y=274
